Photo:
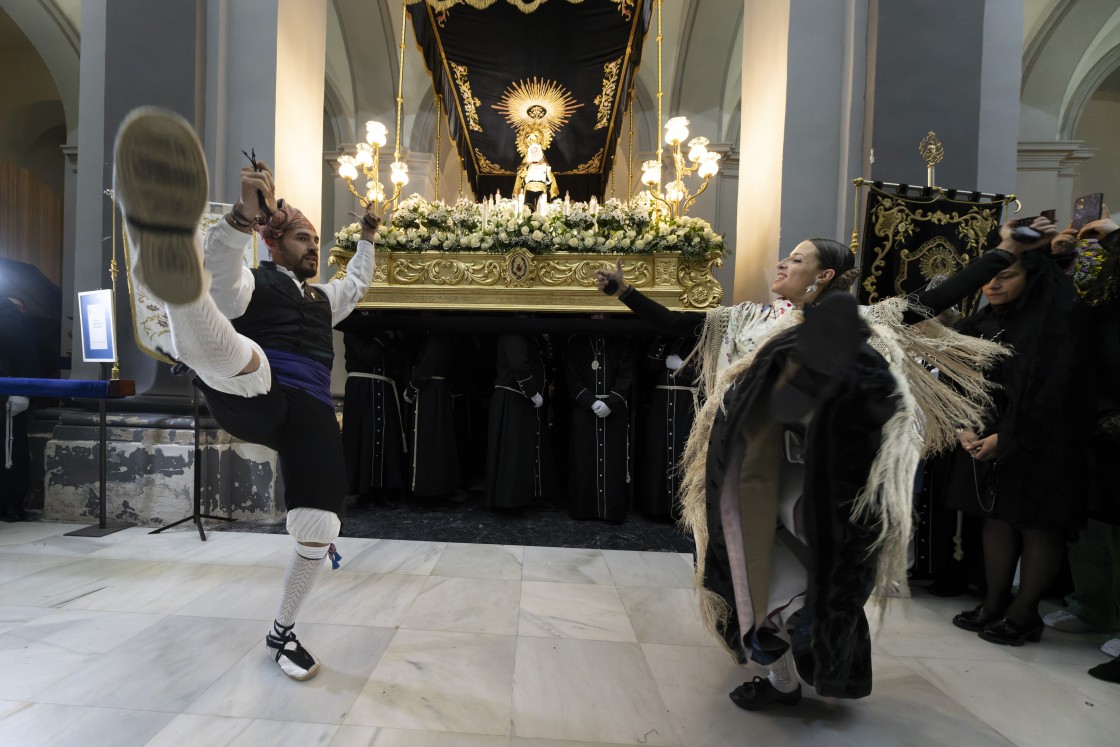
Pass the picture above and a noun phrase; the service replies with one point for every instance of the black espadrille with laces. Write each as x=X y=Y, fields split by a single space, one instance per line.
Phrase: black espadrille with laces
x=294 y=660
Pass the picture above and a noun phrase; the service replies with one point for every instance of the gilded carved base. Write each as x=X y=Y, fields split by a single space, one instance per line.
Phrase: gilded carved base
x=521 y=281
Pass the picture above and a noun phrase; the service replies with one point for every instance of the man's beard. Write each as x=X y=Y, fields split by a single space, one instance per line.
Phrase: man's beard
x=302 y=272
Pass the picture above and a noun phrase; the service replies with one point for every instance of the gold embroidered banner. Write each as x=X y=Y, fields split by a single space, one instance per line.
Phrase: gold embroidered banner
x=913 y=241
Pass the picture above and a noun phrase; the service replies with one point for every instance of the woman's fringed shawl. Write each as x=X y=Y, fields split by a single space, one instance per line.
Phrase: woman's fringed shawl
x=931 y=411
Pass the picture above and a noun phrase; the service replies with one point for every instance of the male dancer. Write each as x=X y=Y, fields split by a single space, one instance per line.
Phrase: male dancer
x=259 y=340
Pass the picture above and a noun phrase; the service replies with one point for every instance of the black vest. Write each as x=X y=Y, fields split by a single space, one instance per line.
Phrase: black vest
x=280 y=317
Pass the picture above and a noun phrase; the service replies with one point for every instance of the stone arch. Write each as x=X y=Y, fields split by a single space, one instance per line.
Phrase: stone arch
x=1083 y=90
x=58 y=43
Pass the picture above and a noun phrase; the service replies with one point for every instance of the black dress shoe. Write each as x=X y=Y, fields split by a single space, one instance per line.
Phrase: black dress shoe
x=974 y=620
x=1109 y=671
x=1008 y=633
x=760 y=693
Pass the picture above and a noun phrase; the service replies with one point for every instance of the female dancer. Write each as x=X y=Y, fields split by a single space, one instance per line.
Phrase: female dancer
x=810 y=429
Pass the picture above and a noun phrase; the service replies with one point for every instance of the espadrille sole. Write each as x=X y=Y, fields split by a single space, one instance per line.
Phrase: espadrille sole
x=160 y=181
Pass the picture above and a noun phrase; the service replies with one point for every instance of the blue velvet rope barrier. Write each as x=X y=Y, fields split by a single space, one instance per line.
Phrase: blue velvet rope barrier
x=67 y=388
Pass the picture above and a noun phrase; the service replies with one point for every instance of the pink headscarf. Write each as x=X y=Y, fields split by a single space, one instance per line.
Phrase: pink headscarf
x=286 y=218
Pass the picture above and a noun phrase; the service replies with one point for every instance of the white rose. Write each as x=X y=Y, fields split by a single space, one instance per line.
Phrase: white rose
x=573 y=242
x=537 y=235
x=524 y=230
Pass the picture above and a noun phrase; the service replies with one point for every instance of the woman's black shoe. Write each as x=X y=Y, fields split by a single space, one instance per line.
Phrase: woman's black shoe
x=976 y=619
x=756 y=695
x=1007 y=633
x=1109 y=671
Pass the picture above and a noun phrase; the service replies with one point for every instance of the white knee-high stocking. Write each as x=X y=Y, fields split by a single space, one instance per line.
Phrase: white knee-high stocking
x=783 y=673
x=303 y=570
x=206 y=341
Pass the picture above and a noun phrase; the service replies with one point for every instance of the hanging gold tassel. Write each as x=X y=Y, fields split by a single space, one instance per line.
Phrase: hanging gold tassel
x=856 y=184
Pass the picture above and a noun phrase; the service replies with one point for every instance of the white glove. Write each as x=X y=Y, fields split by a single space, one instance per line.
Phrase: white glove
x=673 y=362
x=537 y=400
x=600 y=408
x=409 y=395
x=17 y=404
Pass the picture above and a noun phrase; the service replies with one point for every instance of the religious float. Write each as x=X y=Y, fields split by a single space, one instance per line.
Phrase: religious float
x=535 y=126
x=501 y=256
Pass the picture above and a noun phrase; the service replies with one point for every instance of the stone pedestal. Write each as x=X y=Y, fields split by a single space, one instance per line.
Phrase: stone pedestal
x=151 y=471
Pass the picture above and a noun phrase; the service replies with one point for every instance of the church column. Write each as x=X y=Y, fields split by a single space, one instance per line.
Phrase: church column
x=265 y=77
x=247 y=74
x=127 y=60
x=801 y=127
x=265 y=73
x=849 y=90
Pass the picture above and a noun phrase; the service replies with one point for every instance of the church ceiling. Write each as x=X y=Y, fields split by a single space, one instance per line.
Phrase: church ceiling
x=510 y=71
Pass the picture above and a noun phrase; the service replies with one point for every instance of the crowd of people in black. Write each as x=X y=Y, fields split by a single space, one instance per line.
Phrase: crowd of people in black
x=429 y=418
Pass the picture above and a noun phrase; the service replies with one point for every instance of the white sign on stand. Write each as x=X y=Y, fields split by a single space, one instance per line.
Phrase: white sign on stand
x=99 y=344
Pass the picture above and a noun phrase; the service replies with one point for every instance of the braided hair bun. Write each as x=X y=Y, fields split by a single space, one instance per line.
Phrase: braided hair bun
x=845 y=280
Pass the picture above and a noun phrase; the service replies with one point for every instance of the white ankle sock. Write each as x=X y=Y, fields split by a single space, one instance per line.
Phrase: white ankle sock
x=206 y=341
x=299 y=580
x=782 y=675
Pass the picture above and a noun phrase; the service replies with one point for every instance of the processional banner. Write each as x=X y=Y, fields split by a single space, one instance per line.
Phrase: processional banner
x=150 y=329
x=914 y=238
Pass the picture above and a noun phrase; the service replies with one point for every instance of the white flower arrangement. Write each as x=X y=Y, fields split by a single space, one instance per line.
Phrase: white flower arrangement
x=612 y=228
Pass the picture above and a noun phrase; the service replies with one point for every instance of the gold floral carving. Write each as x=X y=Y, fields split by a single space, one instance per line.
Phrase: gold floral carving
x=605 y=100
x=893 y=221
x=700 y=289
x=521 y=281
x=445 y=271
x=581 y=272
x=380 y=269
x=470 y=103
x=665 y=272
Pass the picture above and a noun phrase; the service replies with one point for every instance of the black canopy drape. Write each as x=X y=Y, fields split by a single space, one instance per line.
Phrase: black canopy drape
x=588 y=52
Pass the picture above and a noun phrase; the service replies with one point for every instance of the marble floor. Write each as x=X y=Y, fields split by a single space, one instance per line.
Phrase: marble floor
x=134 y=639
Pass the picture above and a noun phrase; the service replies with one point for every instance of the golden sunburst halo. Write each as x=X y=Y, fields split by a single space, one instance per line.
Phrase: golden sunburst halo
x=537 y=106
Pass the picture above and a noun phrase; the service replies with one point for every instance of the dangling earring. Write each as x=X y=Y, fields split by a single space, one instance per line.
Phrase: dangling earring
x=809 y=290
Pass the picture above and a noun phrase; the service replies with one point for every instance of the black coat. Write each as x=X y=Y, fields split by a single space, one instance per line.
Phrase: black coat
x=1042 y=409
x=435 y=455
x=519 y=455
x=830 y=637
x=668 y=422
x=599 y=368
x=372 y=438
